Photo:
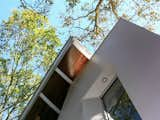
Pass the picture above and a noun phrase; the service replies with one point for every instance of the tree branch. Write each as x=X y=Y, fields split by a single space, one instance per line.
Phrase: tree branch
x=83 y=16
x=19 y=100
x=113 y=8
x=97 y=15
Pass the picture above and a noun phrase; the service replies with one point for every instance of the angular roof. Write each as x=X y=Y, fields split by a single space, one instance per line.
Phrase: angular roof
x=48 y=100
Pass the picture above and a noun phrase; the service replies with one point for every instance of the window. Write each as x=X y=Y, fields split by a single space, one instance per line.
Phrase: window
x=117 y=104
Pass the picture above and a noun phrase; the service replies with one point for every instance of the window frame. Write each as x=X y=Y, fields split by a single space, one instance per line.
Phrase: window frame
x=96 y=101
x=124 y=91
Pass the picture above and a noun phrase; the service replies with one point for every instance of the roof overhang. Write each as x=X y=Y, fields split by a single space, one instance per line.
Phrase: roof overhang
x=50 y=95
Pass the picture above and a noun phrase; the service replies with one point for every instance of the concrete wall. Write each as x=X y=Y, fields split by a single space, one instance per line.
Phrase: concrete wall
x=88 y=88
x=134 y=55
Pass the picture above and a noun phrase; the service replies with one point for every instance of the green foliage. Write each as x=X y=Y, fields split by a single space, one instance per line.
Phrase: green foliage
x=72 y=3
x=27 y=48
x=40 y=6
x=95 y=18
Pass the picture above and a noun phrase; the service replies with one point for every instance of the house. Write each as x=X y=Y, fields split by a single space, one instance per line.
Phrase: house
x=119 y=81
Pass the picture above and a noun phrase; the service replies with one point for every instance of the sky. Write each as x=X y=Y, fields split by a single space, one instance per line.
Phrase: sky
x=6 y=7
x=58 y=8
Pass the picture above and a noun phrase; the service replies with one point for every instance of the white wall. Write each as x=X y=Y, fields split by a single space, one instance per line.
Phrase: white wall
x=135 y=54
x=88 y=85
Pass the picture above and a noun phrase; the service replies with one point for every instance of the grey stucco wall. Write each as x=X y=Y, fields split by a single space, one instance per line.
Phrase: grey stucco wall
x=134 y=53
x=72 y=109
x=88 y=85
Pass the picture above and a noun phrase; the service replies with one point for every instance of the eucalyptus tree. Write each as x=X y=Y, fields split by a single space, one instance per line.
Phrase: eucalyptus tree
x=40 y=6
x=27 y=48
x=92 y=20
x=95 y=18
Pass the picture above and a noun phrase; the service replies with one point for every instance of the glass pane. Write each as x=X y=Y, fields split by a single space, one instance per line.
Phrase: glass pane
x=118 y=106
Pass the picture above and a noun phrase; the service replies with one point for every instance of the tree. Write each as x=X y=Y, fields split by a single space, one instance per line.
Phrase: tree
x=40 y=6
x=28 y=41
x=95 y=18
x=27 y=48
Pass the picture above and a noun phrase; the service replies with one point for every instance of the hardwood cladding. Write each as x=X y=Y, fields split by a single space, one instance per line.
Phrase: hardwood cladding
x=73 y=62
x=57 y=88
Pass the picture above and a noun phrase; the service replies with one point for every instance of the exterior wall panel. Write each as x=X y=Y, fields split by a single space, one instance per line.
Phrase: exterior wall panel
x=134 y=52
x=88 y=85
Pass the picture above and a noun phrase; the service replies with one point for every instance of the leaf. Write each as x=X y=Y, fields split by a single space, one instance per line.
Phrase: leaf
x=2 y=86
x=147 y=0
x=30 y=43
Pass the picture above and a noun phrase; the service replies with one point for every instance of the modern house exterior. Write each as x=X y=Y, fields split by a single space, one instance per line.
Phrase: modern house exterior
x=120 y=81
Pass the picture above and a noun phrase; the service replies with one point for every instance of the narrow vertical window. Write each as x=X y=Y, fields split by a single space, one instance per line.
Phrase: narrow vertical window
x=118 y=105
